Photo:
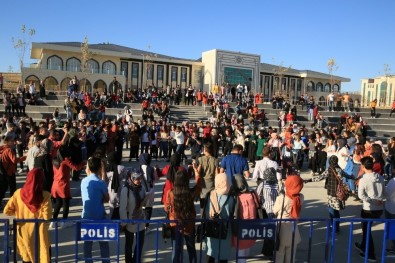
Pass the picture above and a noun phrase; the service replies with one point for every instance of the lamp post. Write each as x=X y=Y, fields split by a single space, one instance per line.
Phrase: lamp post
x=142 y=67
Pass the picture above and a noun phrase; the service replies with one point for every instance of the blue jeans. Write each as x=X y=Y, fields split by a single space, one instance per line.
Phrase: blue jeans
x=330 y=107
x=334 y=214
x=388 y=167
x=177 y=242
x=104 y=251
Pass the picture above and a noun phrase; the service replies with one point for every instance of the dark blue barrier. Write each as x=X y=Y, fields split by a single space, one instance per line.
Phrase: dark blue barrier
x=108 y=231
x=6 y=248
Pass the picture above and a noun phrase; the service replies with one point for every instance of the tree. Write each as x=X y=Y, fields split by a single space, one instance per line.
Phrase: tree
x=148 y=66
x=21 y=43
x=387 y=74
x=332 y=67
x=86 y=55
x=279 y=72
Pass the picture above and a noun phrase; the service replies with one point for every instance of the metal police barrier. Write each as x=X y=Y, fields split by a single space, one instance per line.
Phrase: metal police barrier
x=4 y=223
x=315 y=233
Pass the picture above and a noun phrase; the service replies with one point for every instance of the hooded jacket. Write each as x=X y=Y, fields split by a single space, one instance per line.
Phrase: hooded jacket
x=371 y=189
x=9 y=159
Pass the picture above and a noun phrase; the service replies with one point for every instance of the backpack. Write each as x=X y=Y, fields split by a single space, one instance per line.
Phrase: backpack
x=247 y=206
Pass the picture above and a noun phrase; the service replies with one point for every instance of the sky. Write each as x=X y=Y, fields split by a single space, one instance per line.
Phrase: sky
x=303 y=34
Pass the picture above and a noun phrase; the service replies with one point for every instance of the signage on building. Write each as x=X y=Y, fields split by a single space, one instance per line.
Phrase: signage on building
x=258 y=230
x=99 y=231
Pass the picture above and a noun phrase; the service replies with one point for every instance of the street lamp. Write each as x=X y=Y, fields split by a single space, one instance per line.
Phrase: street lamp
x=142 y=67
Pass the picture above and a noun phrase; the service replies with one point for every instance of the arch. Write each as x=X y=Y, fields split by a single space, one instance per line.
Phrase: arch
x=319 y=87
x=73 y=64
x=327 y=87
x=65 y=83
x=85 y=85
x=100 y=86
x=336 y=88
x=51 y=83
x=93 y=66
x=310 y=86
x=54 y=63
x=321 y=101
x=33 y=78
x=109 y=67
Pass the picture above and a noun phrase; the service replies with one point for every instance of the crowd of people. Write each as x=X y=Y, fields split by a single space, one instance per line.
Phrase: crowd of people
x=222 y=151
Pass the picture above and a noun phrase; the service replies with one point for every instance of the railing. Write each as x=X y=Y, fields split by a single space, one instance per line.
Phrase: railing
x=314 y=230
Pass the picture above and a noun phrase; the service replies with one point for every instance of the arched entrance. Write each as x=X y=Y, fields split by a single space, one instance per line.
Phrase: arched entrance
x=99 y=86
x=85 y=85
x=51 y=83
x=34 y=79
x=65 y=83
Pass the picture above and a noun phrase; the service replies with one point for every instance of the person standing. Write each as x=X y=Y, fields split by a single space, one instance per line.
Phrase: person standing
x=179 y=206
x=235 y=163
x=373 y=105
x=31 y=202
x=390 y=209
x=10 y=161
x=1 y=81
x=131 y=204
x=331 y=101
x=346 y=101
x=392 y=108
x=288 y=206
x=371 y=191
x=94 y=194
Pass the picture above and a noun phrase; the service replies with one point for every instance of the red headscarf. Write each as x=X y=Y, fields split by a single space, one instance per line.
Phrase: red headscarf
x=32 y=191
x=293 y=186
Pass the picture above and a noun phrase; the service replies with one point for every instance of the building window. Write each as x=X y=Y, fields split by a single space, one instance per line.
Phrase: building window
x=336 y=88
x=93 y=66
x=54 y=63
x=299 y=85
x=183 y=74
x=319 y=87
x=235 y=76
x=327 y=87
x=174 y=73
x=135 y=70
x=109 y=68
x=150 y=71
x=159 y=72
x=51 y=83
x=124 y=69
x=73 y=64
x=310 y=86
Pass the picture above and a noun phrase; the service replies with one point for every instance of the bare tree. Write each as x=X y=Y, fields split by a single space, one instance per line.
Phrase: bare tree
x=86 y=55
x=148 y=61
x=278 y=72
x=22 y=42
x=332 y=67
x=387 y=74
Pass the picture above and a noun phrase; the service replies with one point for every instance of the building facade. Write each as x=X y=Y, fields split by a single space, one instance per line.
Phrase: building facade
x=380 y=88
x=58 y=62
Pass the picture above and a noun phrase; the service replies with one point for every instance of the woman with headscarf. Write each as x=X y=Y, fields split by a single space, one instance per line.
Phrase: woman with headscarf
x=180 y=206
x=31 y=202
x=332 y=175
x=60 y=191
x=170 y=171
x=247 y=202
x=222 y=203
x=43 y=160
x=117 y=175
x=288 y=206
x=131 y=204
x=150 y=176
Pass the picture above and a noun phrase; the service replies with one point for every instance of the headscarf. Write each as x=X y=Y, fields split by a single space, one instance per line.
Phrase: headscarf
x=240 y=184
x=333 y=162
x=175 y=162
x=32 y=190
x=145 y=159
x=293 y=186
x=113 y=163
x=222 y=187
x=134 y=173
x=269 y=176
x=342 y=142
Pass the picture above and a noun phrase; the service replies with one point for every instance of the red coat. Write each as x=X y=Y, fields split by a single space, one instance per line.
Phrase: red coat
x=61 y=179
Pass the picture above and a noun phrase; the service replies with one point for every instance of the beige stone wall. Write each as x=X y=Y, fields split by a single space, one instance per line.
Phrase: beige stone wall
x=371 y=89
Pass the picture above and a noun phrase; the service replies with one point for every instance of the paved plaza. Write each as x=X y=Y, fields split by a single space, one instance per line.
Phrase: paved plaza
x=314 y=207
